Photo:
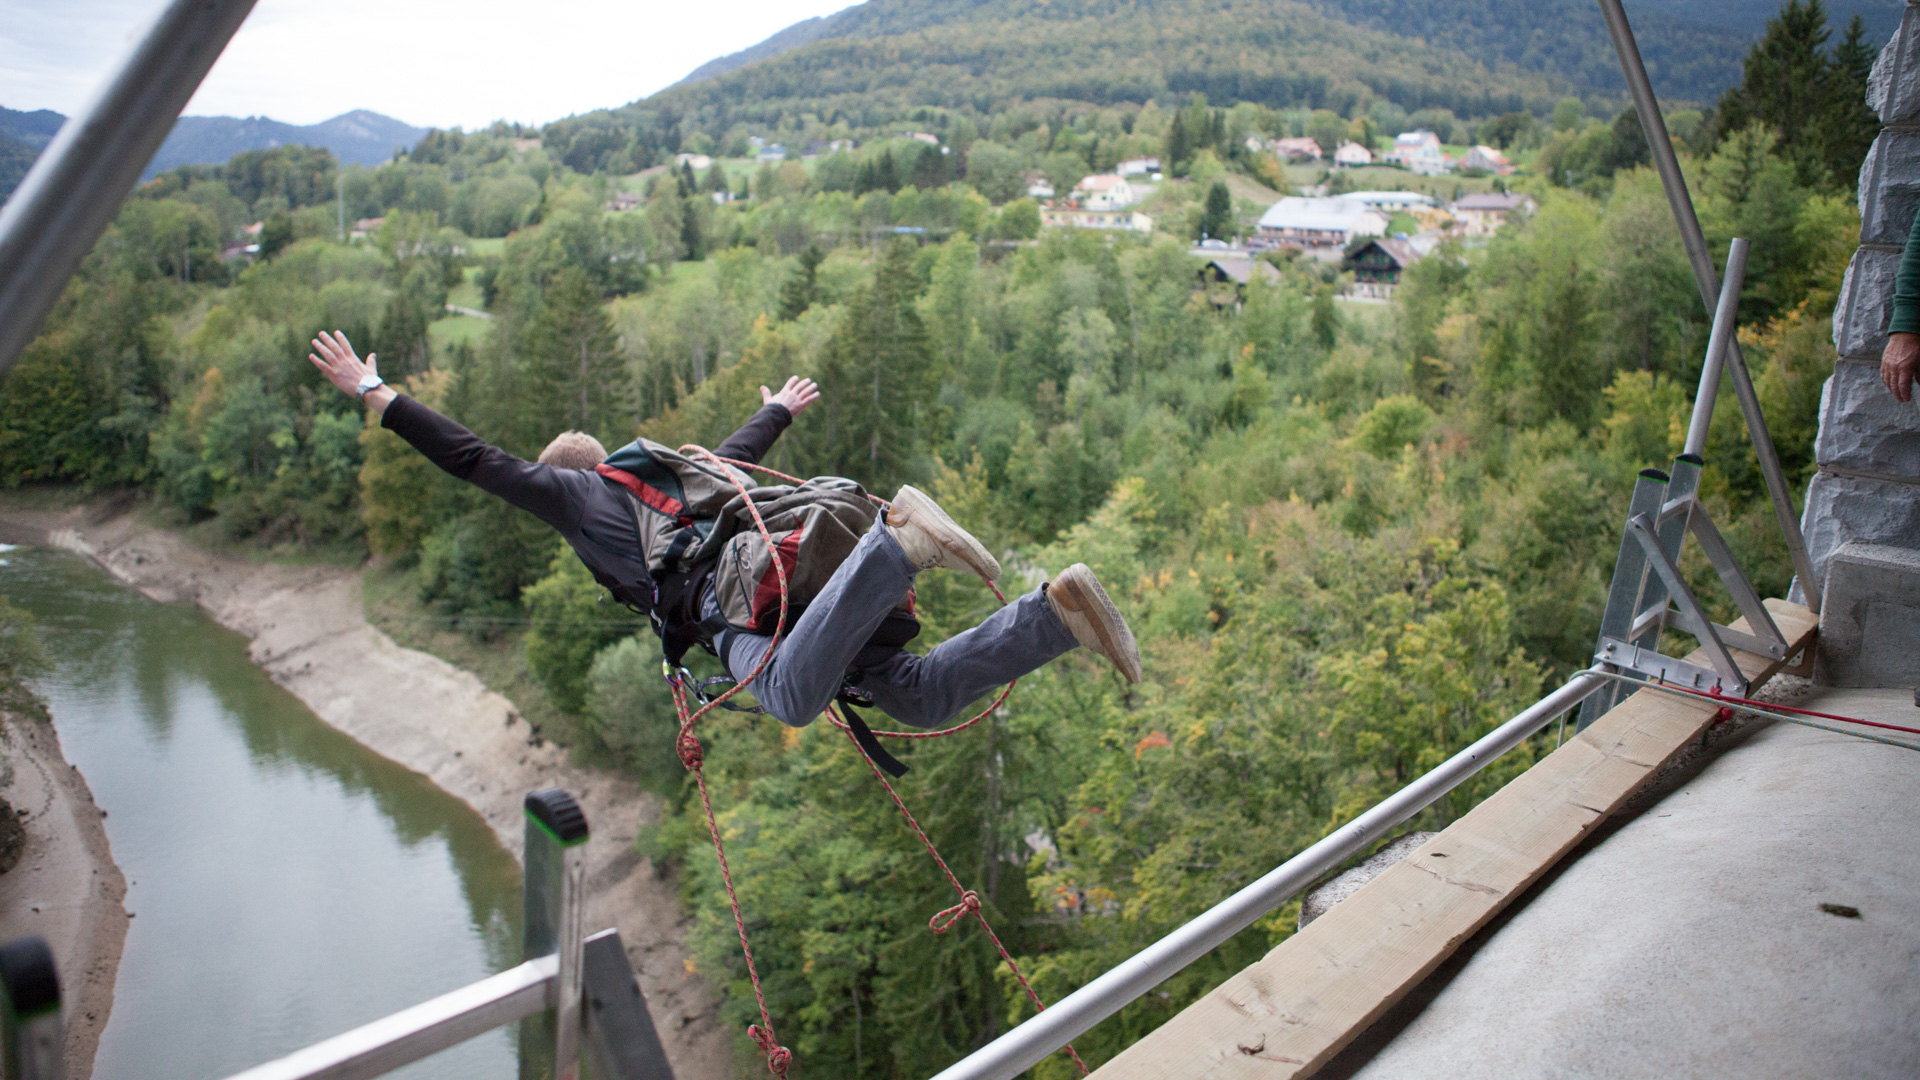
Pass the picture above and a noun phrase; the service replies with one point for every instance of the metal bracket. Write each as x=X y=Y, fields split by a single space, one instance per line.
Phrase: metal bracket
x=1659 y=667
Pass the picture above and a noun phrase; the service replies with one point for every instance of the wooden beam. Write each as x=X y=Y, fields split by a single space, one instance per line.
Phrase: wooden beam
x=1294 y=1009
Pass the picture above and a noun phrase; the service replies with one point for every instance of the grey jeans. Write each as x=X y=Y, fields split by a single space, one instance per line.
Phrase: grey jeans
x=807 y=670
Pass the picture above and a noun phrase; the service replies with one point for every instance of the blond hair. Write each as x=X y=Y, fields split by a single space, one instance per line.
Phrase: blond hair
x=573 y=450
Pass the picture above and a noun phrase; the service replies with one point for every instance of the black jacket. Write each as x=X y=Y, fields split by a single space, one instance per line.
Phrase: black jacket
x=593 y=514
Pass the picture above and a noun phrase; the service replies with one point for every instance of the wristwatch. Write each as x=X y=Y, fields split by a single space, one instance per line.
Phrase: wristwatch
x=368 y=383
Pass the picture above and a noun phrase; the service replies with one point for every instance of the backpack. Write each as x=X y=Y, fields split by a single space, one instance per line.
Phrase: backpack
x=695 y=526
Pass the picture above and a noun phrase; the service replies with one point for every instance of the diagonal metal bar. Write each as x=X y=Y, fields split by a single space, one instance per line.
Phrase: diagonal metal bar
x=75 y=189
x=1744 y=596
x=1668 y=166
x=1690 y=617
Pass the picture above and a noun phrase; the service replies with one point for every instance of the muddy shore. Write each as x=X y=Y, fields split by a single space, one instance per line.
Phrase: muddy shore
x=65 y=887
x=309 y=631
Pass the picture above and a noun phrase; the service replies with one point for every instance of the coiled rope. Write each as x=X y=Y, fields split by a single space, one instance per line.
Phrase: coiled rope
x=779 y=1058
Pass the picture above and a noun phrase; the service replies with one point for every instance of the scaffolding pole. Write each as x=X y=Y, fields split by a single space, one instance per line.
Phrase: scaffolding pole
x=1704 y=276
x=75 y=189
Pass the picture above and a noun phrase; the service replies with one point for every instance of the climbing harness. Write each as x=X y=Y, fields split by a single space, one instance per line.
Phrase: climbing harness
x=864 y=738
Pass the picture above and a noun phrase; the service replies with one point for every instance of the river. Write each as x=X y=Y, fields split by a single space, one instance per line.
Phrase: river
x=286 y=883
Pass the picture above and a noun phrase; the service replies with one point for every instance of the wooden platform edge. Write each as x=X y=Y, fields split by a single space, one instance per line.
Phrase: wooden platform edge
x=1290 y=1012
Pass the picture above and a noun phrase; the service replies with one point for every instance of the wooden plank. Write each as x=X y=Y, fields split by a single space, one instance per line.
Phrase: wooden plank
x=1288 y=1013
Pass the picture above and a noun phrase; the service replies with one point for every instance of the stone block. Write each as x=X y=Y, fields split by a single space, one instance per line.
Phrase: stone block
x=1890 y=188
x=1893 y=88
x=1866 y=304
x=1864 y=428
x=1846 y=509
x=1870 y=617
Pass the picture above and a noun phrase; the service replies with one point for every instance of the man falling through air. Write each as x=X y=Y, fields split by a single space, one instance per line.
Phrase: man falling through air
x=833 y=643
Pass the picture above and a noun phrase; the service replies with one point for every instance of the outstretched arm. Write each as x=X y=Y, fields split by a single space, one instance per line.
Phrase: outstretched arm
x=553 y=495
x=777 y=410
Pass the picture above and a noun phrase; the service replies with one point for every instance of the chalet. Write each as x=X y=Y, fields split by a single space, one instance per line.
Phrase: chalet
x=1487 y=159
x=1297 y=149
x=1351 y=155
x=625 y=200
x=1388 y=202
x=1319 y=227
x=1104 y=191
x=1038 y=186
x=1070 y=214
x=366 y=225
x=1223 y=279
x=1377 y=267
x=1419 y=151
x=698 y=162
x=1140 y=166
x=1482 y=213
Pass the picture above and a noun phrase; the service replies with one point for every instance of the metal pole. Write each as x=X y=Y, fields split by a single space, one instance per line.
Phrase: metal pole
x=32 y=1037
x=75 y=189
x=555 y=890
x=1668 y=166
x=1026 y=1045
x=1723 y=318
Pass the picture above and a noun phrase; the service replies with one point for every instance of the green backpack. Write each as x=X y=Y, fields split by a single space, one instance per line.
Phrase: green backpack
x=695 y=526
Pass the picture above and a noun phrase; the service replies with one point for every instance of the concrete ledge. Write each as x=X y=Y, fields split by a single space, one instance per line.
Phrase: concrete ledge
x=1870 y=617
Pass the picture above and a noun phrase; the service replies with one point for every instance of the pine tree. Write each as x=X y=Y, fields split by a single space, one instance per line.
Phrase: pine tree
x=886 y=176
x=881 y=376
x=576 y=372
x=1812 y=102
x=1217 y=221
x=797 y=292
x=1178 y=148
x=1850 y=126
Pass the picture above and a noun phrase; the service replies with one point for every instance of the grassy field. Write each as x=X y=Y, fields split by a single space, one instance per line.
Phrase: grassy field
x=492 y=245
x=455 y=330
x=1386 y=178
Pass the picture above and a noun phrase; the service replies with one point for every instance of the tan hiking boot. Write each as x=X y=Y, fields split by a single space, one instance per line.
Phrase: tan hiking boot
x=931 y=538
x=1083 y=606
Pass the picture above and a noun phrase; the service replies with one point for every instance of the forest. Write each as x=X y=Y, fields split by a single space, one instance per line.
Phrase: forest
x=1350 y=537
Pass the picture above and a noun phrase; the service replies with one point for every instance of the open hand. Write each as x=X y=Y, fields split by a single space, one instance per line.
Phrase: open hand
x=339 y=363
x=796 y=395
x=1898 y=364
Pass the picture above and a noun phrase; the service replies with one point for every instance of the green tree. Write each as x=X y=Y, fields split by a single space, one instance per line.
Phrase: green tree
x=576 y=372
x=1217 y=221
x=797 y=292
x=880 y=376
x=569 y=624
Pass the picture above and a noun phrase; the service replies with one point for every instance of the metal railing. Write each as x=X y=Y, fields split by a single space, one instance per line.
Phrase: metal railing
x=1024 y=1046
x=576 y=998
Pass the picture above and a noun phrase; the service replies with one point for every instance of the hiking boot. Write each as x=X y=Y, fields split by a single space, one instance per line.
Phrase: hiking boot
x=1083 y=606
x=931 y=538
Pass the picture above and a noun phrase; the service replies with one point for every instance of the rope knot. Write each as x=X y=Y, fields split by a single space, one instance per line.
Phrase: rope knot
x=969 y=905
x=779 y=1058
x=691 y=754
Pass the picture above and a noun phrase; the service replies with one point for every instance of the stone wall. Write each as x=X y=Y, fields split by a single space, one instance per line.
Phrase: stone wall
x=1868 y=449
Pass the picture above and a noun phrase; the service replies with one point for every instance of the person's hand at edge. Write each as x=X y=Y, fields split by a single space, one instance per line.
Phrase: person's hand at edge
x=344 y=369
x=796 y=395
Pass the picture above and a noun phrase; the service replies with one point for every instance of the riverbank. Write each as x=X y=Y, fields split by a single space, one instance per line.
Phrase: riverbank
x=308 y=630
x=65 y=886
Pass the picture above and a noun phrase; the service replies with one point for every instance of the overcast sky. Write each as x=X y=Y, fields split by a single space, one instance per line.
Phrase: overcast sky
x=432 y=64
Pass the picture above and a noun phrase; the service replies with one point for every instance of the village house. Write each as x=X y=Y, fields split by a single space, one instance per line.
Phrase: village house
x=1104 y=191
x=1419 y=151
x=1486 y=159
x=1377 y=267
x=1300 y=149
x=626 y=200
x=1390 y=202
x=1038 y=186
x=366 y=225
x=1482 y=213
x=1139 y=166
x=1223 y=279
x=699 y=162
x=1321 y=228
x=921 y=136
x=1069 y=214
x=817 y=148
x=771 y=152
x=1351 y=155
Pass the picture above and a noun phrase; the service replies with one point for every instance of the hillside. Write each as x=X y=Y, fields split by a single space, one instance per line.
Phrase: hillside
x=1693 y=50
x=22 y=134
x=889 y=58
x=359 y=137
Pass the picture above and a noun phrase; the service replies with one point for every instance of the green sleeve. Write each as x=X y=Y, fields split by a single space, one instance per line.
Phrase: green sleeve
x=1906 y=286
